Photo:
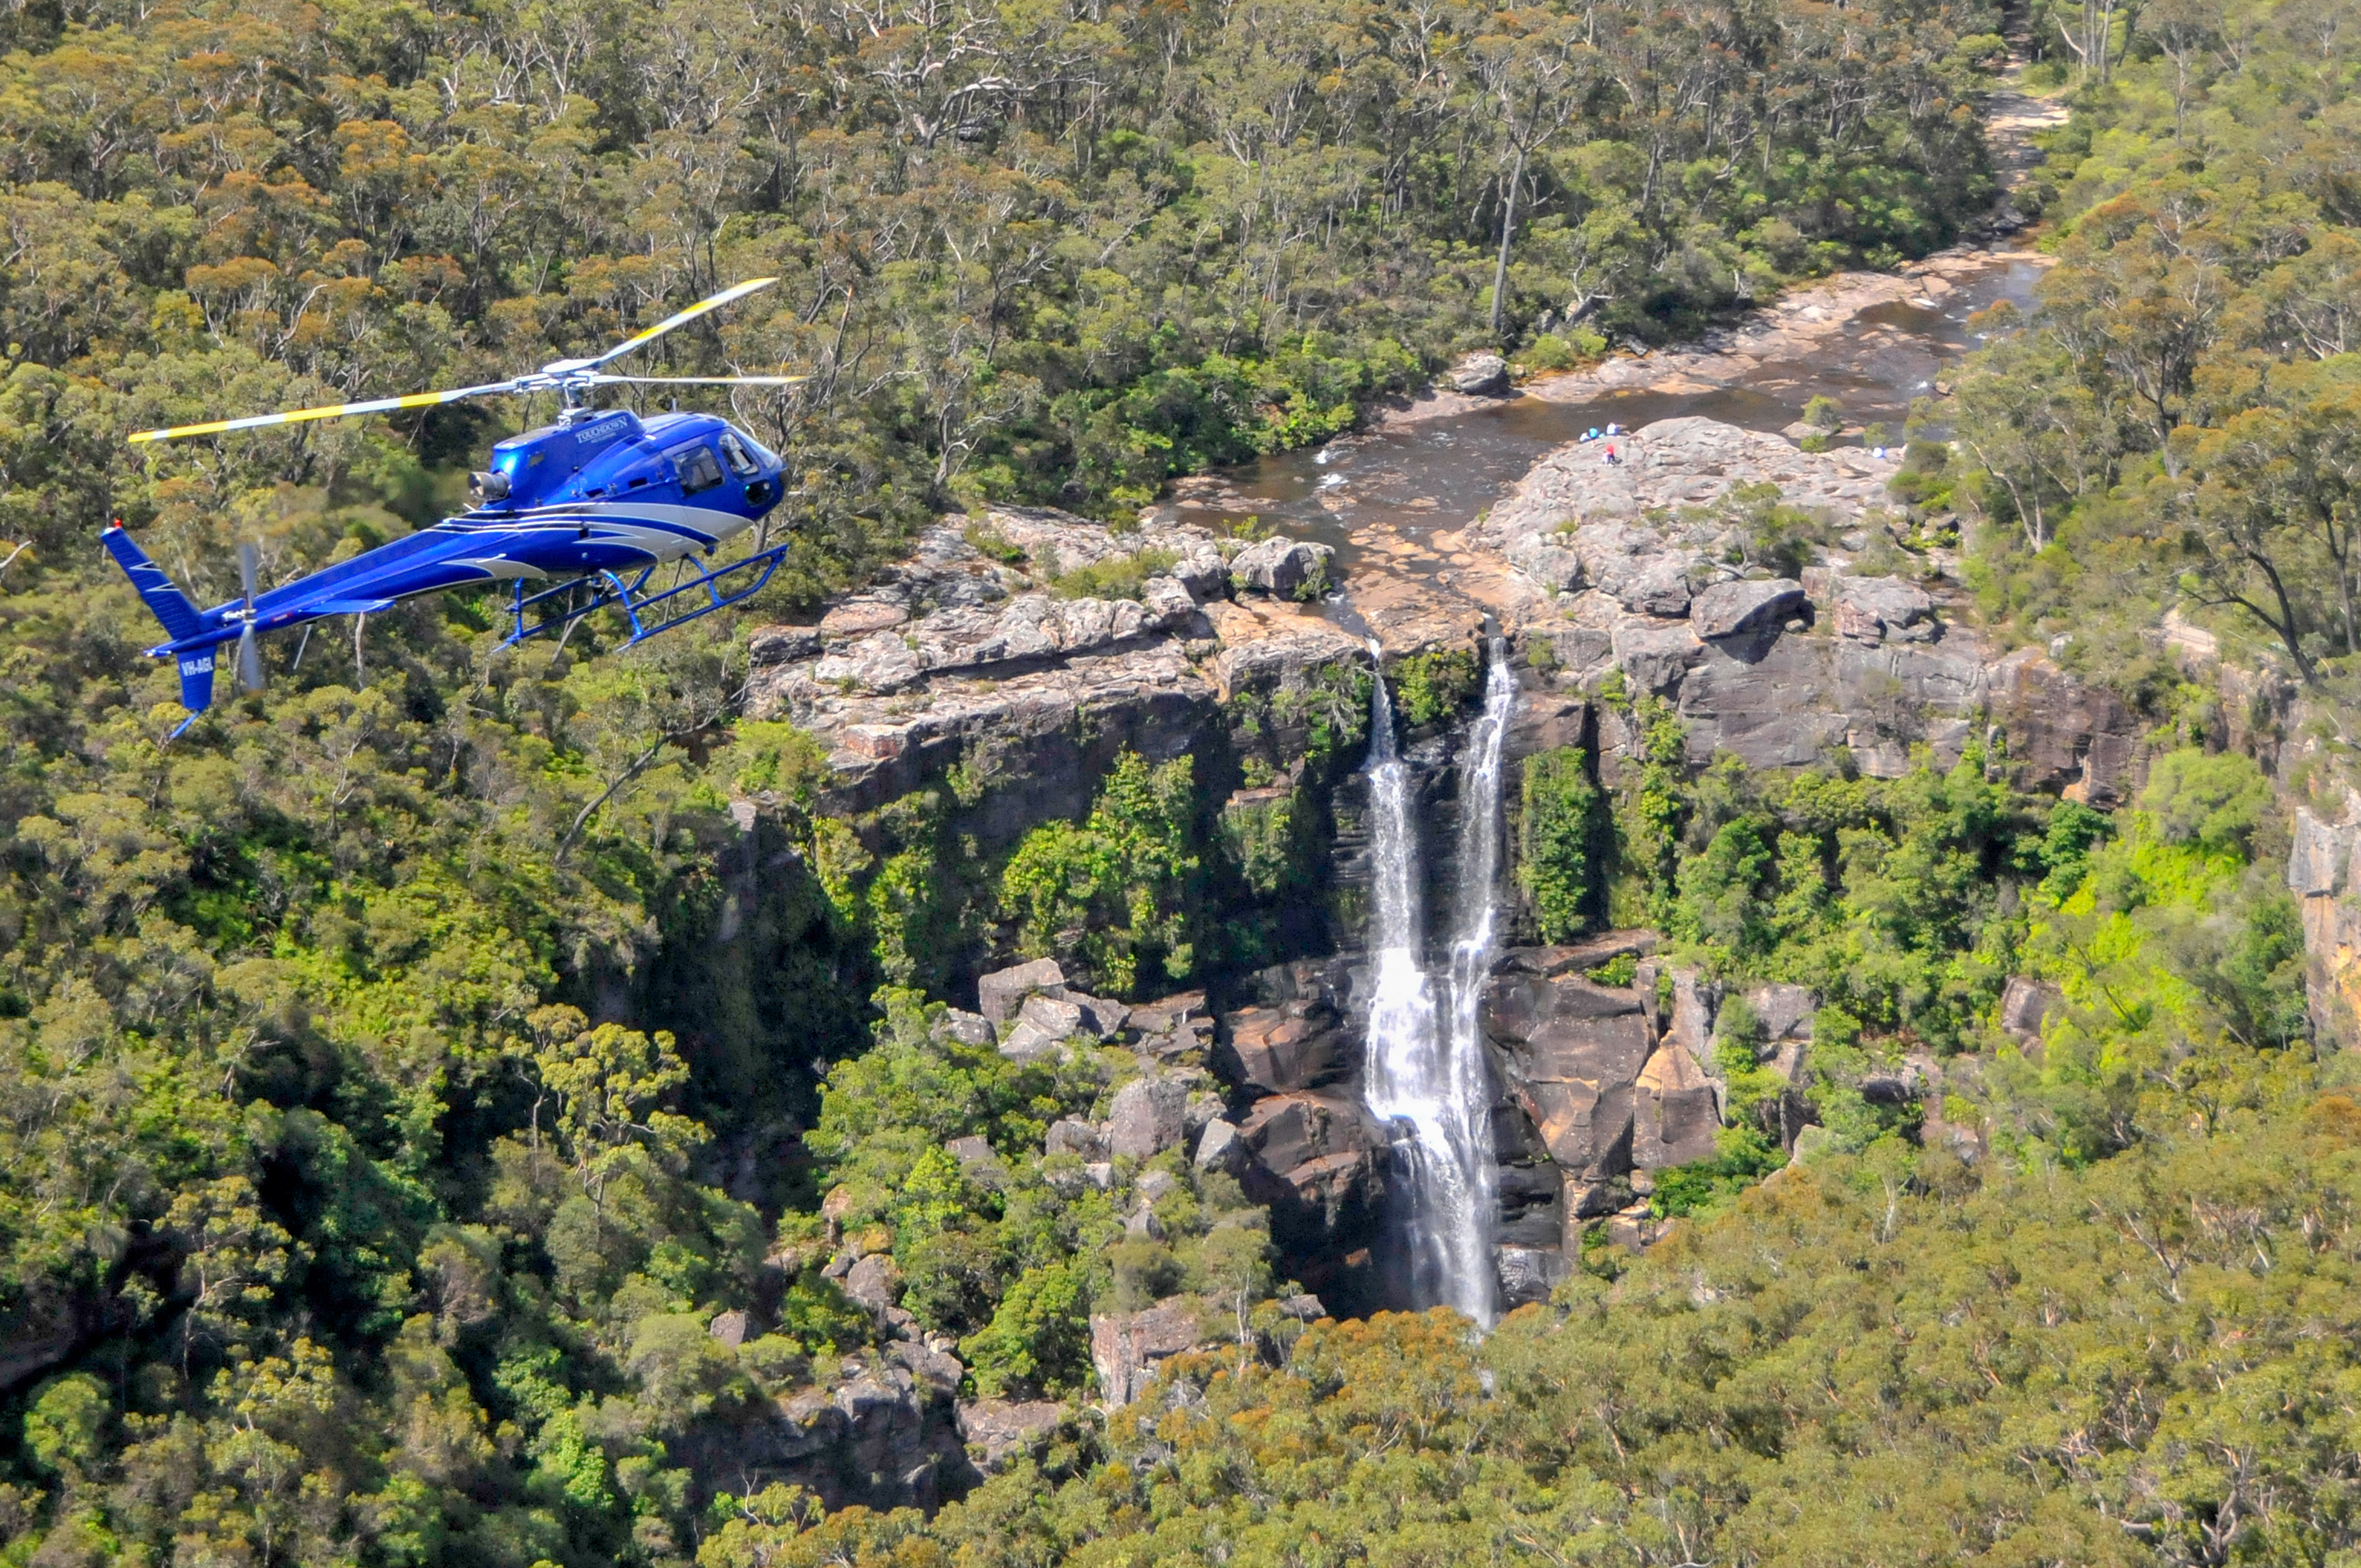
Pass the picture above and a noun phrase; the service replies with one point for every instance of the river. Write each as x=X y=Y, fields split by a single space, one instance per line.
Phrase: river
x=1415 y=476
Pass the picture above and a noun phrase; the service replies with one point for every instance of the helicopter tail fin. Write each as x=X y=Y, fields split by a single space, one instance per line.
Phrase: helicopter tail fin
x=169 y=605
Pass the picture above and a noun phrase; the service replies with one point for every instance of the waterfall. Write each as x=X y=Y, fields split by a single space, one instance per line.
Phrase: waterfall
x=1427 y=1073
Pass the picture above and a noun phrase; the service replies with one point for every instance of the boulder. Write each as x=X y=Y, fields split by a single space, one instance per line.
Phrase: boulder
x=1098 y=1015
x=882 y=1438
x=1204 y=573
x=1784 y=1012
x=1029 y=628
x=1149 y=1115
x=967 y=1028
x=1583 y=1199
x=1170 y=603
x=1529 y=1273
x=976 y=1157
x=1217 y=1147
x=1725 y=609
x=936 y=1369
x=1265 y=1049
x=1167 y=1013
x=1575 y=957
x=1053 y=1015
x=1676 y=1113
x=1547 y=560
x=1878 y=609
x=2023 y=1003
x=1027 y=1041
x=2080 y=740
x=1636 y=1230
x=999 y=1432
x=729 y=1328
x=1572 y=1051
x=1125 y=1347
x=1285 y=1131
x=875 y=1281
x=884 y=1419
x=782 y=644
x=1654 y=586
x=1319 y=1163
x=858 y=617
x=1069 y=1134
x=1283 y=567
x=1656 y=655
x=1304 y=1308
x=1001 y=993
x=1480 y=376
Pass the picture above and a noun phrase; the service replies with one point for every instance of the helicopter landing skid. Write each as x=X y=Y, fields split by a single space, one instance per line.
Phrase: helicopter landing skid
x=710 y=590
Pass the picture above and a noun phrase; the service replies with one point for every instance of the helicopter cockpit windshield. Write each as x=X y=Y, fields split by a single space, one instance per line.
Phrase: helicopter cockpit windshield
x=734 y=453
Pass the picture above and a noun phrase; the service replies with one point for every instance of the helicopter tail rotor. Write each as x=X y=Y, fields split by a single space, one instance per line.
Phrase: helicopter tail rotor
x=249 y=657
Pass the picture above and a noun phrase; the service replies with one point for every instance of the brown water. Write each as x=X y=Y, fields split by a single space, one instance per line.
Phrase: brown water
x=1437 y=474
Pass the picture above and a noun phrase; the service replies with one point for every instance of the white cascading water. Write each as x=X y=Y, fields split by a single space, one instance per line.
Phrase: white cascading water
x=1427 y=1072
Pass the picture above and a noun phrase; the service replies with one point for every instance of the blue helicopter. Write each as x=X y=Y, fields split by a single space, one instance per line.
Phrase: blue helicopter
x=578 y=515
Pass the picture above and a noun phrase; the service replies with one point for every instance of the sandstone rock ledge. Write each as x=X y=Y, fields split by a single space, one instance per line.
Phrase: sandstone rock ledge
x=968 y=653
x=1641 y=568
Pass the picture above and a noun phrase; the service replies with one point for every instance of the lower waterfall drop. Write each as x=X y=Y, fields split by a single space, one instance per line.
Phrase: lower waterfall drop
x=1427 y=1073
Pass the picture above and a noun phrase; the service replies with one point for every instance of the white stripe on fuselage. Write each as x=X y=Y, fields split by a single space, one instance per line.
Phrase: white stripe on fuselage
x=705 y=522
x=501 y=566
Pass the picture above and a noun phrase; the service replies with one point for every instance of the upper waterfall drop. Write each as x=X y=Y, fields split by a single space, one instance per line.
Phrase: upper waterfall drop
x=1427 y=1071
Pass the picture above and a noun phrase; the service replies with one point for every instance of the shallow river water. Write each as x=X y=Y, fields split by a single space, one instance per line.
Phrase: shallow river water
x=1438 y=473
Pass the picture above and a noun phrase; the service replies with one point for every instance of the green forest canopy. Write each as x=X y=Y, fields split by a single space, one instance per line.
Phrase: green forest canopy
x=335 y=1233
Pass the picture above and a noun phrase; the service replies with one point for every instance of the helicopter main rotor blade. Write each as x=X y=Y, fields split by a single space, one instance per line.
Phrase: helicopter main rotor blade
x=328 y=411
x=735 y=291
x=604 y=379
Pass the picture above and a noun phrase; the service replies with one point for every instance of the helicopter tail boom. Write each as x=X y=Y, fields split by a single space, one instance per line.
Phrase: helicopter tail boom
x=169 y=605
x=179 y=616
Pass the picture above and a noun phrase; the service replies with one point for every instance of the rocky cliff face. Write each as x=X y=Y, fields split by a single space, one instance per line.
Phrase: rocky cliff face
x=972 y=654
x=1016 y=652
x=1640 y=569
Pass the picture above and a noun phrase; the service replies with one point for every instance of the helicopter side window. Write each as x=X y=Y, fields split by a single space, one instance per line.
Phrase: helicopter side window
x=698 y=469
x=733 y=451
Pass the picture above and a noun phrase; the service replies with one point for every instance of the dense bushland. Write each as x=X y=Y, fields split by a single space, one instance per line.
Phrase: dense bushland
x=332 y=1229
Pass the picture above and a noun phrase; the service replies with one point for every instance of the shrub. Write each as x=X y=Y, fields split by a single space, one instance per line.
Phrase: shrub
x=1120 y=578
x=1560 y=805
x=1267 y=839
x=1115 y=893
x=2212 y=802
x=1038 y=1341
x=1619 y=970
x=1743 y=1155
x=989 y=540
x=1432 y=686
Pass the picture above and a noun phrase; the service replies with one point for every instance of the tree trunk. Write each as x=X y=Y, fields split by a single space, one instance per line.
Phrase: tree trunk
x=1507 y=231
